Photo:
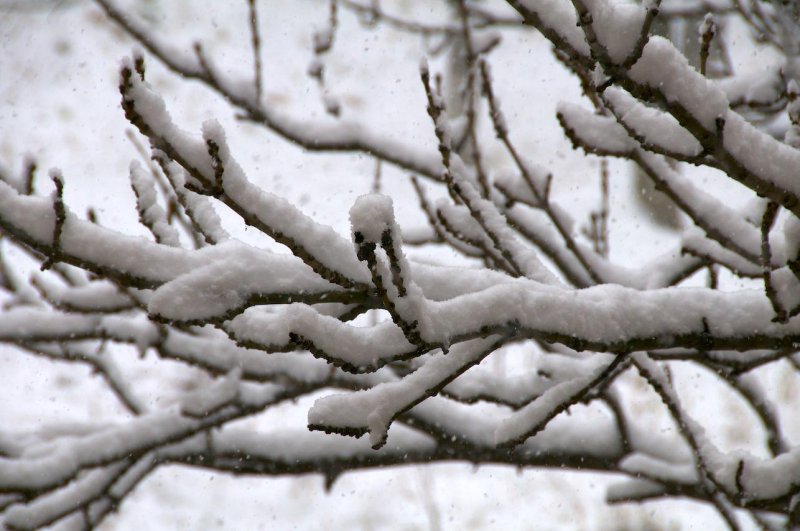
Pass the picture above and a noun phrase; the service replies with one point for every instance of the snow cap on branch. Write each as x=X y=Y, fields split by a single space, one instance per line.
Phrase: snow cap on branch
x=617 y=26
x=371 y=215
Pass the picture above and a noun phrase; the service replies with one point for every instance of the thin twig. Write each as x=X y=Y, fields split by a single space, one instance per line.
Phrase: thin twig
x=60 y=215
x=770 y=213
x=256 y=42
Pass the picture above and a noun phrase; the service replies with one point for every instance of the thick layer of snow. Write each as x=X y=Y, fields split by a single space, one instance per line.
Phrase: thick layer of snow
x=372 y=215
x=560 y=18
x=617 y=26
x=337 y=341
x=231 y=284
x=767 y=158
x=651 y=126
x=602 y=133
x=662 y=67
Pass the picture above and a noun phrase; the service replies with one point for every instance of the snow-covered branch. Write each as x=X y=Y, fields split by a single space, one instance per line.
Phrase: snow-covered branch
x=394 y=344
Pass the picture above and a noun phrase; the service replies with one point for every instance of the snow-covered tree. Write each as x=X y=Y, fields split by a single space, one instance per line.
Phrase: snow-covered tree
x=393 y=327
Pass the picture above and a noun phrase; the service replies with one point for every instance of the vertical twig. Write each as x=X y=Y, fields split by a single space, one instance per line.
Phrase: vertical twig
x=256 y=40
x=376 y=179
x=501 y=130
x=469 y=96
x=655 y=376
x=60 y=217
x=713 y=276
x=708 y=29
x=323 y=41
x=604 y=208
x=428 y=501
x=366 y=253
x=436 y=111
x=30 y=175
x=598 y=231
x=770 y=213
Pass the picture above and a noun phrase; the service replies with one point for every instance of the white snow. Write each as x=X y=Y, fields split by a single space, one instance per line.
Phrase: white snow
x=534 y=417
x=496 y=225
x=220 y=354
x=283 y=218
x=663 y=68
x=761 y=85
x=372 y=215
x=715 y=217
x=266 y=300
x=480 y=381
x=602 y=133
x=374 y=409
x=205 y=400
x=617 y=25
x=93 y=297
x=767 y=158
x=152 y=214
x=231 y=283
x=647 y=466
x=365 y=347
x=650 y=126
x=198 y=207
x=560 y=18
x=51 y=506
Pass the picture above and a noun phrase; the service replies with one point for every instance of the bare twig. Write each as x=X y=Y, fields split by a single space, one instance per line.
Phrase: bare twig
x=255 y=37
